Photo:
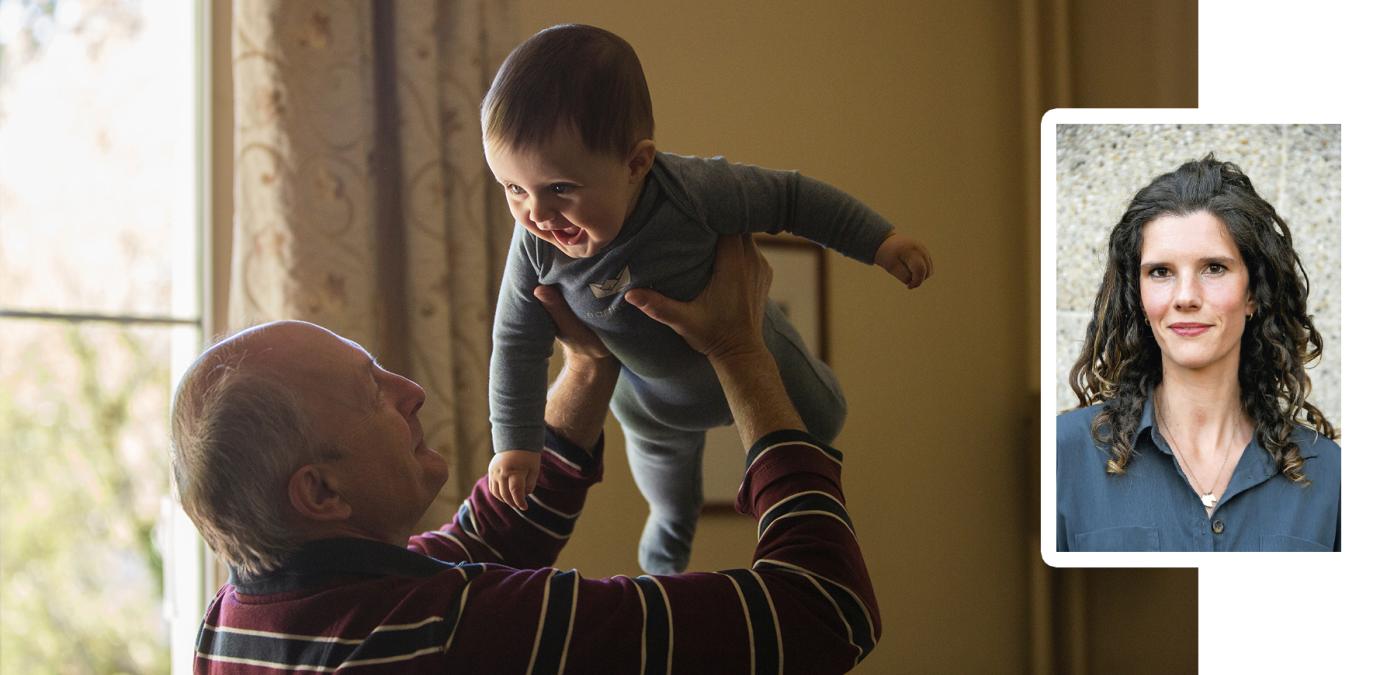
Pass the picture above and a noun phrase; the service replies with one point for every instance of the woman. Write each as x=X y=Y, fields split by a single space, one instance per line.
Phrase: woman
x=1193 y=431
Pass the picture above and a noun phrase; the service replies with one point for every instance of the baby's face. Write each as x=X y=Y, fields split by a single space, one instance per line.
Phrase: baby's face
x=565 y=194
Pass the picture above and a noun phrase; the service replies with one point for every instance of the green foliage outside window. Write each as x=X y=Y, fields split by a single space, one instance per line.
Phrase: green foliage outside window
x=83 y=415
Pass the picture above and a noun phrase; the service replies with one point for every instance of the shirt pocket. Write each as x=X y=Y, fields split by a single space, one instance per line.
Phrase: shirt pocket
x=1118 y=539
x=1284 y=542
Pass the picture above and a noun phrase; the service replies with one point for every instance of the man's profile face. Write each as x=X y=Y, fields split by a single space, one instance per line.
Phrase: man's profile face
x=386 y=473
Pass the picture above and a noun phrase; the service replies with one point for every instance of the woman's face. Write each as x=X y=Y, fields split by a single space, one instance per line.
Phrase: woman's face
x=1194 y=287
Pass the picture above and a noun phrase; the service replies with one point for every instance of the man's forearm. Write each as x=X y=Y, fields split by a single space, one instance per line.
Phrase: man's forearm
x=578 y=401
x=756 y=396
x=485 y=529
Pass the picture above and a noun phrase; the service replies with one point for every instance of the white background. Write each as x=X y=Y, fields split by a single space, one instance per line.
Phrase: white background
x=1308 y=613
x=1285 y=62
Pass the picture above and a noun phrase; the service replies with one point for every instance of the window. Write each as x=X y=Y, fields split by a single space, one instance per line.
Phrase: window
x=101 y=215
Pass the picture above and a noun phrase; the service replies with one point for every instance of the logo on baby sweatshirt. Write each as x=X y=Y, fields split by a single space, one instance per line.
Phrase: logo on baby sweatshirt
x=613 y=286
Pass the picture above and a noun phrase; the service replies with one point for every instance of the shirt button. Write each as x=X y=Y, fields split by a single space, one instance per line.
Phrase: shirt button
x=1217 y=527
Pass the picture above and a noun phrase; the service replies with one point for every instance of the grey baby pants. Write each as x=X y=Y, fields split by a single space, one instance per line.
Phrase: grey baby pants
x=664 y=422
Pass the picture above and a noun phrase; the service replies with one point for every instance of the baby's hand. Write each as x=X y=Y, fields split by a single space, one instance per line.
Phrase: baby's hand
x=906 y=259
x=513 y=476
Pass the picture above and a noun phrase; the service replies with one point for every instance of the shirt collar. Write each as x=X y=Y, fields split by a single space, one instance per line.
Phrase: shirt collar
x=1149 y=429
x=316 y=562
x=1255 y=457
x=1147 y=421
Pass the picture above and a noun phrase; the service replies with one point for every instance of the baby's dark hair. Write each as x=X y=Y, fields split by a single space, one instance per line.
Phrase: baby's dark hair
x=571 y=74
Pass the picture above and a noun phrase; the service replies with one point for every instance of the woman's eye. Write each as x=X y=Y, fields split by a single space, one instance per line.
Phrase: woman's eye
x=1159 y=272
x=516 y=190
x=1216 y=268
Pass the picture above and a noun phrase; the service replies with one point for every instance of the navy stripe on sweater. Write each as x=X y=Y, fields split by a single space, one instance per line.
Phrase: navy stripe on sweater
x=656 y=627
x=562 y=591
x=761 y=618
x=804 y=503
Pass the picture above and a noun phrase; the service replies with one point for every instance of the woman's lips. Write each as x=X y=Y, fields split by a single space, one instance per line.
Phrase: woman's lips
x=1189 y=329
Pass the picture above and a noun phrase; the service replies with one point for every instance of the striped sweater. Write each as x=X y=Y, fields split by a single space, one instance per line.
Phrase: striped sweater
x=476 y=596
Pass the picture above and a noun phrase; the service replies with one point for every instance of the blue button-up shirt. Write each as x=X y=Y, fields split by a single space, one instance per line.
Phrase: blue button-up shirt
x=1152 y=507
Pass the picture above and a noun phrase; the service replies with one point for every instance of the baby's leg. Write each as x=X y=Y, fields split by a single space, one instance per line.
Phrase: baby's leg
x=665 y=463
x=811 y=384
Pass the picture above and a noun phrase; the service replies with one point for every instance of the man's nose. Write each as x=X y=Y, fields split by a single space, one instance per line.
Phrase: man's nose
x=413 y=396
x=408 y=394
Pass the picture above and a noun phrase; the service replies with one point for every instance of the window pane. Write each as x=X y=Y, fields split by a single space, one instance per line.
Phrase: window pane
x=97 y=185
x=83 y=415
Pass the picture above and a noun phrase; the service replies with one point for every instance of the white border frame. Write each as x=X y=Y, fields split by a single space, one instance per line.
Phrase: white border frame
x=1048 y=337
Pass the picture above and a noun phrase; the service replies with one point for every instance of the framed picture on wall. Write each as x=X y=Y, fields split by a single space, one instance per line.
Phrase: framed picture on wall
x=798 y=286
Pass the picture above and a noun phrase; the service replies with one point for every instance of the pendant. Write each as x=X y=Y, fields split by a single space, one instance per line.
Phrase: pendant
x=1209 y=500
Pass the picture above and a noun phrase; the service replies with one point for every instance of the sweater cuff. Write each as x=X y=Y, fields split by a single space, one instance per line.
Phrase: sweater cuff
x=584 y=462
x=517 y=438
x=784 y=436
x=803 y=456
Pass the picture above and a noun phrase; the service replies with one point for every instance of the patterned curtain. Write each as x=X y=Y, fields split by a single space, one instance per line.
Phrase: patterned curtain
x=362 y=201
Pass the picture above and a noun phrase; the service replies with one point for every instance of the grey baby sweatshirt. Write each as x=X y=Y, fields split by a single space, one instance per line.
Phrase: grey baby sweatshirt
x=667 y=245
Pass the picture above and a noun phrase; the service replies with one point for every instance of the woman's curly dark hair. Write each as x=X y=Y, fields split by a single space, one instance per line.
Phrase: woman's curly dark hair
x=1120 y=363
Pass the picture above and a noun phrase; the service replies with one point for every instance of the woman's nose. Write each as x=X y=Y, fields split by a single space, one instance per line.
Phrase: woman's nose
x=1187 y=293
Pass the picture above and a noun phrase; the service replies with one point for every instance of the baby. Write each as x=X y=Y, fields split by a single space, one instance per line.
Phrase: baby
x=568 y=134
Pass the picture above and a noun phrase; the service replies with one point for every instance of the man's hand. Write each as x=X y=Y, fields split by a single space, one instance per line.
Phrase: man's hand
x=726 y=317
x=906 y=259
x=576 y=338
x=513 y=476
x=724 y=322
x=578 y=401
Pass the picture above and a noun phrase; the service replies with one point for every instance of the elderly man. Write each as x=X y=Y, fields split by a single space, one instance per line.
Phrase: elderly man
x=302 y=462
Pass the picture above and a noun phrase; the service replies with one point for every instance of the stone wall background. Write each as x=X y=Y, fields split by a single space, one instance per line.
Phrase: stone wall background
x=1297 y=168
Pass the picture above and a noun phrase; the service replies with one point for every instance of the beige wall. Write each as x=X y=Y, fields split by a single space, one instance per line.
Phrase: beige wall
x=919 y=109
x=913 y=109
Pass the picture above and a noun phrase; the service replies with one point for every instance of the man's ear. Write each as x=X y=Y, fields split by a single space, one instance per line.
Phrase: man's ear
x=312 y=492
x=640 y=159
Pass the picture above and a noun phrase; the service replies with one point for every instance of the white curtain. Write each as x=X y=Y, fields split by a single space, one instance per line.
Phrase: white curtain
x=362 y=201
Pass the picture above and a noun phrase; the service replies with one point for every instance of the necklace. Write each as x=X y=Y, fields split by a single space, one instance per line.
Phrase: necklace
x=1208 y=498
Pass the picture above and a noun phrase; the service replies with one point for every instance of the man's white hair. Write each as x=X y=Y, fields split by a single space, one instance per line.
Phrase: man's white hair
x=238 y=434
